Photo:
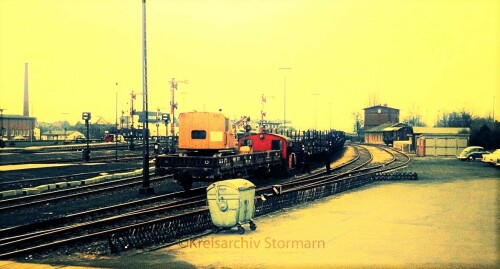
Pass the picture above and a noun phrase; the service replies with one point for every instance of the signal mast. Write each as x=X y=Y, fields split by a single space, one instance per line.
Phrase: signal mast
x=132 y=112
x=173 y=104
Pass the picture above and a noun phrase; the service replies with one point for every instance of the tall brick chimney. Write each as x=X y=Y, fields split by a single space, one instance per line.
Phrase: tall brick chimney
x=26 y=111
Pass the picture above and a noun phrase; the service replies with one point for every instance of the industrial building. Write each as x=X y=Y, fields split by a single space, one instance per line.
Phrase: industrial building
x=15 y=126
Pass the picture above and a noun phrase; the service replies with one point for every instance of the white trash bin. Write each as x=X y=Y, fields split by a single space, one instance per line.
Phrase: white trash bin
x=232 y=203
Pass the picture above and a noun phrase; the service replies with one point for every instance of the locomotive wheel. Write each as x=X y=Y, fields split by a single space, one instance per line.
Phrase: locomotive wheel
x=253 y=227
x=241 y=230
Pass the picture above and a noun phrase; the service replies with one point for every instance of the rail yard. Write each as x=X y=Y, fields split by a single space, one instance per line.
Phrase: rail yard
x=259 y=156
x=102 y=214
x=111 y=218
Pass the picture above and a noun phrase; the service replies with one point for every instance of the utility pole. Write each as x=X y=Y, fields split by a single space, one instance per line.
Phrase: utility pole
x=146 y=186
x=116 y=123
x=2 y=143
x=132 y=111
x=315 y=110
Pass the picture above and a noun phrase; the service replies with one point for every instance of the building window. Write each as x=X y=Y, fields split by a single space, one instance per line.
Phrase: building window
x=379 y=110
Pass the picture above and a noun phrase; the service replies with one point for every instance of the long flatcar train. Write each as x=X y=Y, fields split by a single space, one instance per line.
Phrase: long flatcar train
x=208 y=151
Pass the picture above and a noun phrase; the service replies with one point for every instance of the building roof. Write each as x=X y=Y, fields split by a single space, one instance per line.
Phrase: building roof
x=440 y=130
x=59 y=132
x=10 y=116
x=381 y=127
x=380 y=106
x=393 y=128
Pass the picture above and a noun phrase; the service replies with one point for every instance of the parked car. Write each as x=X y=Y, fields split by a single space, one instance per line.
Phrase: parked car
x=472 y=153
x=491 y=158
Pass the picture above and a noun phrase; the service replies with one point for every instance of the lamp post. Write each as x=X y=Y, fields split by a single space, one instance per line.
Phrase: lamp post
x=284 y=96
x=330 y=107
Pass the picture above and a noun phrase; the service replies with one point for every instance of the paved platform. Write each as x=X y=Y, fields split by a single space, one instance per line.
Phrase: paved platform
x=416 y=224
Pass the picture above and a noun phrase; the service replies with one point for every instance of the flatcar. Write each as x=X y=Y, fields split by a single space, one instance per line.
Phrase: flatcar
x=208 y=151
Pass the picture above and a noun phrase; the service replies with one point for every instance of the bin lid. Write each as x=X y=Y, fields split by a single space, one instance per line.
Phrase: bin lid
x=237 y=184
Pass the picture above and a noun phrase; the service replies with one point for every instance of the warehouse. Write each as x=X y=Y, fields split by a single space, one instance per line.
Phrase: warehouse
x=434 y=141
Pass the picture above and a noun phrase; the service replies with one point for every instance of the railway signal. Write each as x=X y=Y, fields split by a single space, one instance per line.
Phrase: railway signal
x=166 y=119
x=132 y=112
x=86 y=116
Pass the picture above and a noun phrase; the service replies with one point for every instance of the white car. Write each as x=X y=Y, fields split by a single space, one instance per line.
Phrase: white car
x=491 y=158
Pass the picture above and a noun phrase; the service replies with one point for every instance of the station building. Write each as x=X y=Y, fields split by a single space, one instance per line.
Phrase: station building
x=57 y=135
x=14 y=127
x=380 y=114
x=377 y=118
x=375 y=135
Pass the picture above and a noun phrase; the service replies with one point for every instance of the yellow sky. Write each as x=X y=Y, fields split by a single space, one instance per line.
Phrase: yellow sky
x=429 y=56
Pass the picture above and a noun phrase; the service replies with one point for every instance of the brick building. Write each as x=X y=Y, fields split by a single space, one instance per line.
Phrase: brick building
x=378 y=115
x=16 y=126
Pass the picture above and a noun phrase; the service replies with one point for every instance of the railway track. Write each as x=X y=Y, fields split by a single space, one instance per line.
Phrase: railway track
x=170 y=211
x=69 y=157
x=72 y=193
x=30 y=182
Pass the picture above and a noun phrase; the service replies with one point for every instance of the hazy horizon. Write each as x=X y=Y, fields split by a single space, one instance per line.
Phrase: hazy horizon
x=425 y=56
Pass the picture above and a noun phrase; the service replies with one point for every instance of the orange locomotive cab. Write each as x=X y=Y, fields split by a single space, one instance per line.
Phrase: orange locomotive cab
x=205 y=133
